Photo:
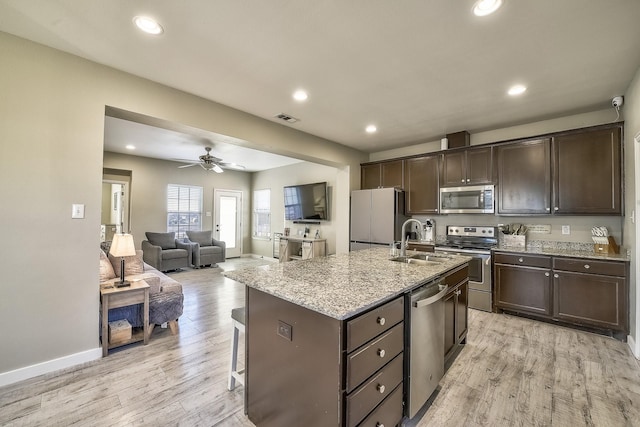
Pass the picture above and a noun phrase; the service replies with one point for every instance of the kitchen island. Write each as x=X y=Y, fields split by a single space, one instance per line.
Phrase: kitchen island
x=326 y=337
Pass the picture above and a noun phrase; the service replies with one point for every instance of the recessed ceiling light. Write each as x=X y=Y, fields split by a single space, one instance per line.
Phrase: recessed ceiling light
x=517 y=90
x=130 y=147
x=486 y=7
x=148 y=25
x=300 y=95
x=371 y=129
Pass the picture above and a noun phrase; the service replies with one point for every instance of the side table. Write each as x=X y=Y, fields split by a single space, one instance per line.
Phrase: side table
x=112 y=297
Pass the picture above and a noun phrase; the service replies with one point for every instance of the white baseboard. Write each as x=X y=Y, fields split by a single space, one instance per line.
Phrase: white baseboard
x=634 y=346
x=49 y=366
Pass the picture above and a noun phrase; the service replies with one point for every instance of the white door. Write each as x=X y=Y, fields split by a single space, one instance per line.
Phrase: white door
x=227 y=226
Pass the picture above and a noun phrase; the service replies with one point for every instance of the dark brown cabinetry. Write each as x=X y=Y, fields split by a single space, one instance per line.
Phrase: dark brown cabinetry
x=374 y=364
x=469 y=166
x=590 y=292
x=523 y=283
x=456 y=305
x=422 y=184
x=587 y=169
x=578 y=291
x=382 y=174
x=524 y=177
x=313 y=370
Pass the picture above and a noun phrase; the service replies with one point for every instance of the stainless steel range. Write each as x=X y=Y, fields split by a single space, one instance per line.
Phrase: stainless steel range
x=476 y=242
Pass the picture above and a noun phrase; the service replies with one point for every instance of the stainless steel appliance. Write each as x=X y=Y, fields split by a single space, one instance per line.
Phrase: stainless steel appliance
x=425 y=366
x=476 y=242
x=471 y=199
x=376 y=217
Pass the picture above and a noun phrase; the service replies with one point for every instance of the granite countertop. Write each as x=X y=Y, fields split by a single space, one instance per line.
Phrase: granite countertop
x=575 y=252
x=341 y=286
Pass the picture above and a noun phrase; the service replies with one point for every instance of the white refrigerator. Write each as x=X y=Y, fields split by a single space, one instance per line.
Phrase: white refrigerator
x=376 y=217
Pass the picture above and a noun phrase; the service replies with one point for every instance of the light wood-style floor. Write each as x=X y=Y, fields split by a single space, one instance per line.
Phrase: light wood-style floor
x=512 y=372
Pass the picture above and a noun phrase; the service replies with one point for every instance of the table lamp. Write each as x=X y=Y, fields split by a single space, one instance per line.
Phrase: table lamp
x=122 y=246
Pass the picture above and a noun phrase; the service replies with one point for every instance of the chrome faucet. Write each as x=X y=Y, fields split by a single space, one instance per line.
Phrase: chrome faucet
x=403 y=243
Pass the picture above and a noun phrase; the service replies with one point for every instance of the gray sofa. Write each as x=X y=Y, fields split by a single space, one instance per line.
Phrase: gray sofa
x=206 y=251
x=164 y=252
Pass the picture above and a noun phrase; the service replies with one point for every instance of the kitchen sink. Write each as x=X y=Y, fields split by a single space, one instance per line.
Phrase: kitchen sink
x=420 y=259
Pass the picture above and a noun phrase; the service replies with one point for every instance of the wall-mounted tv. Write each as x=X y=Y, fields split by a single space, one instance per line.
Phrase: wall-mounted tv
x=306 y=202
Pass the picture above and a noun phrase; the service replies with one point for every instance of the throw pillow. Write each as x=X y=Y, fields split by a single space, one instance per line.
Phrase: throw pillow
x=106 y=270
x=201 y=237
x=132 y=264
x=164 y=240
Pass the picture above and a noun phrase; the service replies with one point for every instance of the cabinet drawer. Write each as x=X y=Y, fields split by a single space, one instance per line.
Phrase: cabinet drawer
x=361 y=364
x=607 y=268
x=371 y=393
x=369 y=325
x=454 y=278
x=520 y=259
x=388 y=414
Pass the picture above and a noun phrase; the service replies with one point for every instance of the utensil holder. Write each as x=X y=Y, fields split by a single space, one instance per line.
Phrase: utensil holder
x=610 y=248
x=514 y=241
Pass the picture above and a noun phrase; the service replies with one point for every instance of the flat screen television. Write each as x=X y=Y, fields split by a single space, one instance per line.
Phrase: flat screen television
x=306 y=202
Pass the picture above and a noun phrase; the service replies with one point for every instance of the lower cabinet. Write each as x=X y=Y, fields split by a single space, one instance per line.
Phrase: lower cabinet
x=293 y=248
x=523 y=283
x=374 y=366
x=573 y=291
x=456 y=305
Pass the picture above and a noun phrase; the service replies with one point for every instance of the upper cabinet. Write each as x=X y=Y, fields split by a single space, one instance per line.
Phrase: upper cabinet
x=470 y=166
x=587 y=168
x=421 y=184
x=383 y=174
x=524 y=177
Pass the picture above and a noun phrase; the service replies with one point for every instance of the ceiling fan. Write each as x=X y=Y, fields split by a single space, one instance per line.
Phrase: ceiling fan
x=209 y=162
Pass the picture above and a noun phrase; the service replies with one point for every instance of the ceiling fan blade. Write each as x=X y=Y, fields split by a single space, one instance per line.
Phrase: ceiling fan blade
x=217 y=169
x=188 y=166
x=232 y=165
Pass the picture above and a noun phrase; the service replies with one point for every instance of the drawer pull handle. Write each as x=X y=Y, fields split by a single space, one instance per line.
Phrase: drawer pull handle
x=546 y=274
x=587 y=266
x=380 y=388
x=381 y=321
x=381 y=352
x=379 y=425
x=520 y=260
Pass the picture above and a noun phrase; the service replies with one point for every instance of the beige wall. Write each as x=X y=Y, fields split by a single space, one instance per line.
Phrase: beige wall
x=149 y=180
x=52 y=110
x=301 y=173
x=631 y=115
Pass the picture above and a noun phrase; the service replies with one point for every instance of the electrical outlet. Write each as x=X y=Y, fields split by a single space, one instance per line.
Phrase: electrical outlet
x=285 y=330
x=566 y=229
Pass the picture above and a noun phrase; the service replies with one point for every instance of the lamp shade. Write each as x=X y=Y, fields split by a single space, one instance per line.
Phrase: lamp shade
x=122 y=245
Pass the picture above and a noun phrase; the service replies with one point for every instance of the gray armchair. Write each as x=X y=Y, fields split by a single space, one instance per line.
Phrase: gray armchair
x=164 y=252
x=207 y=251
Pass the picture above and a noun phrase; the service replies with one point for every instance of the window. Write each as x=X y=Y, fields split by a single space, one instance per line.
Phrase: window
x=184 y=209
x=262 y=214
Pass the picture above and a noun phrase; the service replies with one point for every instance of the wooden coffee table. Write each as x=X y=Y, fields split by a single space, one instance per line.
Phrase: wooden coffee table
x=112 y=297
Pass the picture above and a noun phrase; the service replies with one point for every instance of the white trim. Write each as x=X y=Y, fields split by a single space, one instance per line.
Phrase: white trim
x=634 y=346
x=49 y=366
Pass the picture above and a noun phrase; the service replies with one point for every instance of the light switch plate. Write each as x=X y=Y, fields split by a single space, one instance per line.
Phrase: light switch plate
x=77 y=211
x=566 y=229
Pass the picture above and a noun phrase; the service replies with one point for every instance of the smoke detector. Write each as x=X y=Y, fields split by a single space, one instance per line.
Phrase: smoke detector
x=287 y=118
x=617 y=101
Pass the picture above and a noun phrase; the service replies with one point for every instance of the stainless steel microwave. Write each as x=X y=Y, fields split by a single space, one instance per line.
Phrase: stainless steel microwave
x=471 y=199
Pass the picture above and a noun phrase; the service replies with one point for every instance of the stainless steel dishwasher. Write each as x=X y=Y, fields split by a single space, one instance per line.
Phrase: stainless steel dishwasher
x=425 y=365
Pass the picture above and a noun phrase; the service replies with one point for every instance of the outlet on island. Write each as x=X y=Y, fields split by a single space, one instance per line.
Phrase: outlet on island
x=566 y=229
x=284 y=330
